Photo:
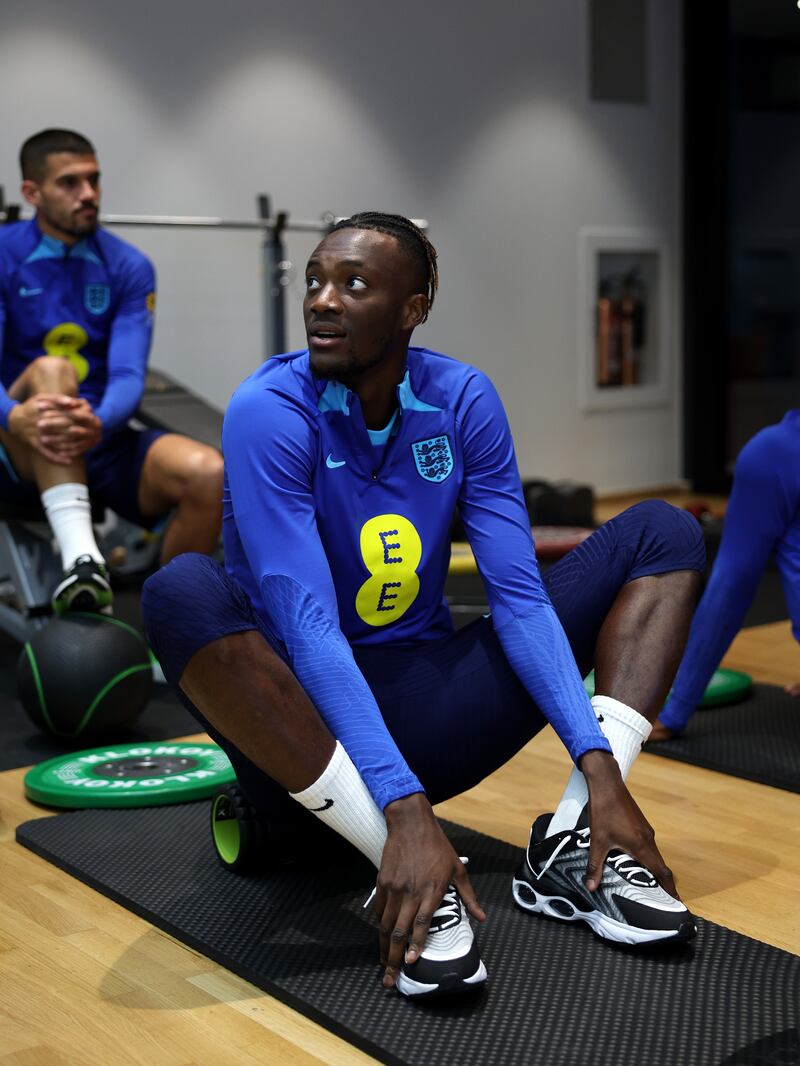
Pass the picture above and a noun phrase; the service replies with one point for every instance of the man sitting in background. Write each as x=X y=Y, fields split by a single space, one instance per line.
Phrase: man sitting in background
x=76 y=318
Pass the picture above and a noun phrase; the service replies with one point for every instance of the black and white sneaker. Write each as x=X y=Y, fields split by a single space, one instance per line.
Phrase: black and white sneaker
x=84 y=587
x=629 y=906
x=449 y=963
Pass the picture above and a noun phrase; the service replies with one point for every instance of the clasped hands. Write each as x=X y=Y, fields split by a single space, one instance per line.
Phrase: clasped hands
x=61 y=428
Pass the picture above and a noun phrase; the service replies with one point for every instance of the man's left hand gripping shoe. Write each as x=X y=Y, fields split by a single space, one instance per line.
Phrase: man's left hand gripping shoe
x=629 y=906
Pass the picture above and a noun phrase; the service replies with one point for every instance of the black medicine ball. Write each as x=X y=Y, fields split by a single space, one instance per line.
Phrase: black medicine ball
x=84 y=675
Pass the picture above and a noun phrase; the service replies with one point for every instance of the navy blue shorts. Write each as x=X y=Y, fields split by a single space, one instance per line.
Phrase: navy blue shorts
x=113 y=468
x=454 y=706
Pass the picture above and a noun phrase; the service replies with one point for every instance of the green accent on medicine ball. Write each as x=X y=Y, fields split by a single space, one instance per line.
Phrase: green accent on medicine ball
x=106 y=619
x=38 y=683
x=106 y=689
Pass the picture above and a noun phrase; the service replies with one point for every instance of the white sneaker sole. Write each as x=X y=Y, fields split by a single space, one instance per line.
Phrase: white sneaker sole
x=409 y=987
x=601 y=924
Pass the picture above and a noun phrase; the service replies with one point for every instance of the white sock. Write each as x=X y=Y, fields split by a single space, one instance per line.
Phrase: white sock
x=626 y=730
x=340 y=799
x=70 y=516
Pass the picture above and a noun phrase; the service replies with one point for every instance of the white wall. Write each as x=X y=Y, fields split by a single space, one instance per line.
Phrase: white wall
x=479 y=121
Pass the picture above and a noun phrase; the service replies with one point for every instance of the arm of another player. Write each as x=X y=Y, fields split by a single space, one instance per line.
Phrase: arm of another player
x=129 y=346
x=760 y=508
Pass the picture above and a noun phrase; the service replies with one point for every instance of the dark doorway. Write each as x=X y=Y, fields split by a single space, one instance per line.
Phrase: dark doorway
x=741 y=228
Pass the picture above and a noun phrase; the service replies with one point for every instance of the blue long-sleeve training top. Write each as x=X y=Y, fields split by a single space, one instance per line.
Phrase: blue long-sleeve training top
x=762 y=520
x=341 y=537
x=91 y=303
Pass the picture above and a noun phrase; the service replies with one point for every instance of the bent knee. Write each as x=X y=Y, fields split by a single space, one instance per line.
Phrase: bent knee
x=203 y=475
x=667 y=534
x=173 y=593
x=52 y=373
x=189 y=603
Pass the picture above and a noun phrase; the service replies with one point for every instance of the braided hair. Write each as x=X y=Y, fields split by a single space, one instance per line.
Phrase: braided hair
x=410 y=238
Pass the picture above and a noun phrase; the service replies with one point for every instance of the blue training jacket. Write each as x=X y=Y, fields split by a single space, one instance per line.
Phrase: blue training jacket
x=91 y=304
x=339 y=540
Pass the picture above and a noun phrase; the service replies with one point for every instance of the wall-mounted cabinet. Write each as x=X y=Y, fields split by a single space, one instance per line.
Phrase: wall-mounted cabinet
x=624 y=348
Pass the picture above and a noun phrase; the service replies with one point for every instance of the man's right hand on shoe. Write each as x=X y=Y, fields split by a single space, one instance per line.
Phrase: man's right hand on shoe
x=616 y=822
x=418 y=864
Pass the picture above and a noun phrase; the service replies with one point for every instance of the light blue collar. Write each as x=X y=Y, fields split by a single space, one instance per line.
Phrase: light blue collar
x=336 y=398
x=51 y=248
x=381 y=436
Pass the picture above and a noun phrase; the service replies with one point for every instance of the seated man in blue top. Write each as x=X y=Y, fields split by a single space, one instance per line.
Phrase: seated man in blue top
x=762 y=520
x=76 y=318
x=323 y=658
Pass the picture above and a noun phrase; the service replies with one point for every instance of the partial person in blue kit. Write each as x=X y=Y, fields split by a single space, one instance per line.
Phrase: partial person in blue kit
x=323 y=657
x=76 y=319
x=762 y=520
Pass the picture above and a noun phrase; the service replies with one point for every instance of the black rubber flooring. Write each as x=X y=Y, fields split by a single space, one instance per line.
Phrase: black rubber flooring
x=758 y=739
x=556 y=995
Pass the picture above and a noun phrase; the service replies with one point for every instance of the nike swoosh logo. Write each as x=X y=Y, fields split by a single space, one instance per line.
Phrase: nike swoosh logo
x=600 y=718
x=332 y=463
x=326 y=806
x=29 y=292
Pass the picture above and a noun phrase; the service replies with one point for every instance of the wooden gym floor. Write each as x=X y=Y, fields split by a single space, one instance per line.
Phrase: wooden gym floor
x=86 y=982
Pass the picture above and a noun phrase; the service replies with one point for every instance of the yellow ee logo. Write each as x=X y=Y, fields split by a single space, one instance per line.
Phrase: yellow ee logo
x=392 y=550
x=150 y=302
x=65 y=341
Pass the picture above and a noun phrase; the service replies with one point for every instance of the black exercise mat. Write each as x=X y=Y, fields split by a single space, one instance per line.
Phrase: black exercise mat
x=758 y=739
x=556 y=995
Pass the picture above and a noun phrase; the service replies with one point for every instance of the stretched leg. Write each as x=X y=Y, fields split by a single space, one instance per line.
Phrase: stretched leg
x=181 y=474
x=231 y=671
x=233 y=678
x=625 y=598
x=642 y=639
x=602 y=579
x=271 y=717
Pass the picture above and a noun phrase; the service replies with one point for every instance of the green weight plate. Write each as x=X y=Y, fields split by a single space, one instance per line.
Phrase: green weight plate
x=725 y=686
x=130 y=775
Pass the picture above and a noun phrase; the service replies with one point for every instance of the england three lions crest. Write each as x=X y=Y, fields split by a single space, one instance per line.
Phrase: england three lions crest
x=433 y=458
x=97 y=298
